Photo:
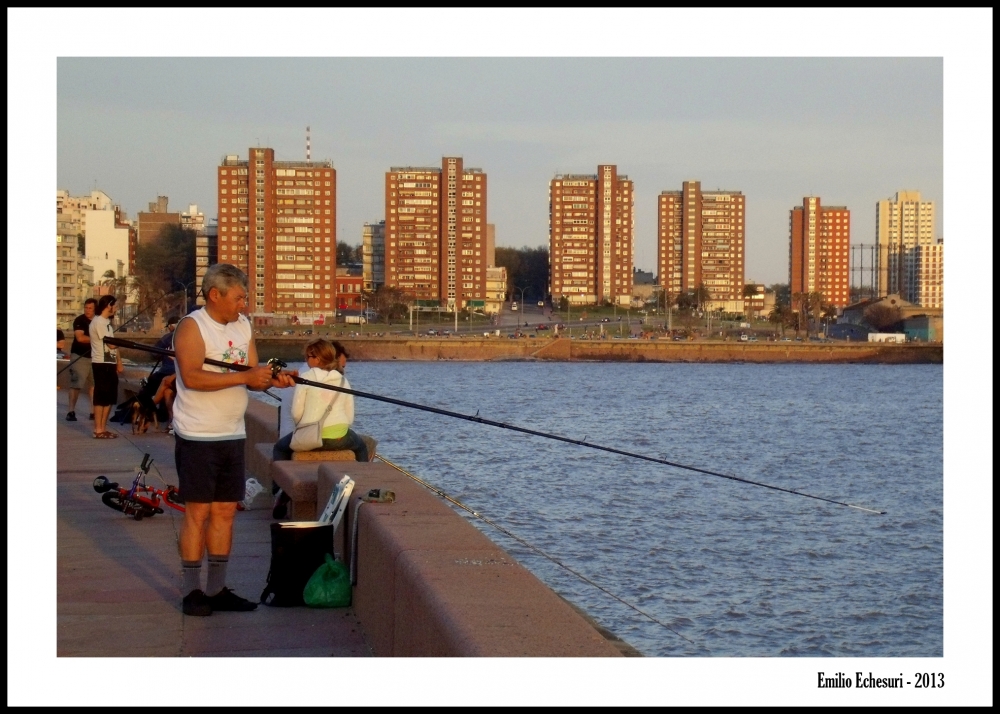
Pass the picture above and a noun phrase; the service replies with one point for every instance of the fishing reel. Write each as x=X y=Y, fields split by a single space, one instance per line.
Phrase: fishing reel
x=276 y=366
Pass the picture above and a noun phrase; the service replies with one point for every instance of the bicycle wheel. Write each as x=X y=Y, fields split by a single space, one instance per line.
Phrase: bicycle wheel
x=115 y=500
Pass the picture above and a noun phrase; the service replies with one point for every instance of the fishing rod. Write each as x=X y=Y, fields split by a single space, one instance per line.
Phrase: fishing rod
x=277 y=365
x=124 y=324
x=526 y=544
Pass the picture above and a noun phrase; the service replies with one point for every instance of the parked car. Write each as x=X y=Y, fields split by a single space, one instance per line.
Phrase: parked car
x=605 y=319
x=433 y=332
x=542 y=327
x=541 y=303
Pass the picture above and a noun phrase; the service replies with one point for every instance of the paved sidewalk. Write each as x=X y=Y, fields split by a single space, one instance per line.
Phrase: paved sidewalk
x=118 y=579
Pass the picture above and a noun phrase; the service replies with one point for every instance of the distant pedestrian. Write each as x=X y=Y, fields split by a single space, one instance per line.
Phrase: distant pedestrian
x=80 y=373
x=60 y=344
x=106 y=363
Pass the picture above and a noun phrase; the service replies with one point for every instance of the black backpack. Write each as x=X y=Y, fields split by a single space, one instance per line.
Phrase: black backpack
x=297 y=550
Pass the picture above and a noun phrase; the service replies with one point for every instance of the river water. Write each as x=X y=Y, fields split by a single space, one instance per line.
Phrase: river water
x=739 y=570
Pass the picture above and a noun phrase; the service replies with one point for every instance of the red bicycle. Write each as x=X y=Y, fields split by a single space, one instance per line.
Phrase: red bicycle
x=139 y=501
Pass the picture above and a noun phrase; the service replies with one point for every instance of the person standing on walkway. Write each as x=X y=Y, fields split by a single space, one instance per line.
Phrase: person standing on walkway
x=210 y=433
x=106 y=365
x=80 y=374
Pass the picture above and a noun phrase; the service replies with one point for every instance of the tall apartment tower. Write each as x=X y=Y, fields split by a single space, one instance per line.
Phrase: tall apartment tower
x=819 y=250
x=591 y=234
x=700 y=240
x=927 y=279
x=436 y=233
x=901 y=224
x=278 y=222
x=373 y=255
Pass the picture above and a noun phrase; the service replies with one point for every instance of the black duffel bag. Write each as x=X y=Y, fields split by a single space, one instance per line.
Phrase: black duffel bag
x=297 y=550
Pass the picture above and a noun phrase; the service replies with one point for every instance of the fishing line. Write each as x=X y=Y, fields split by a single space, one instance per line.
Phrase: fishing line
x=528 y=545
x=503 y=425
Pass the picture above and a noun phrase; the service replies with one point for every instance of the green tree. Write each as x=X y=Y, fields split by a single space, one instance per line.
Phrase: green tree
x=527 y=268
x=389 y=303
x=165 y=265
x=749 y=291
x=782 y=293
x=702 y=295
x=882 y=317
x=779 y=316
x=345 y=253
x=799 y=308
x=815 y=304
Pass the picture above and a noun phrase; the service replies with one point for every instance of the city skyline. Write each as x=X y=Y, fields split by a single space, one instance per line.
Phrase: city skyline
x=852 y=130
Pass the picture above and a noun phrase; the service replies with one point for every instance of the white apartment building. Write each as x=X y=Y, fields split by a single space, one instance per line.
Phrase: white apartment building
x=193 y=219
x=496 y=289
x=927 y=276
x=73 y=281
x=902 y=223
x=71 y=210
x=107 y=243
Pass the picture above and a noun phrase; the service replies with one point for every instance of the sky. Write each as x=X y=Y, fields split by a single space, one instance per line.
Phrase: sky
x=849 y=130
x=851 y=105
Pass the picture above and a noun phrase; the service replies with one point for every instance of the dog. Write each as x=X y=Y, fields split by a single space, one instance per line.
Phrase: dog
x=143 y=414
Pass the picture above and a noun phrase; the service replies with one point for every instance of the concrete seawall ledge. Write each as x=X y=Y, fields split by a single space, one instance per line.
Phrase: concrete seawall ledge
x=482 y=349
x=429 y=584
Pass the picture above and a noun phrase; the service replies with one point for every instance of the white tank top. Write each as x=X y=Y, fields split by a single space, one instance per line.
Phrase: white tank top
x=216 y=415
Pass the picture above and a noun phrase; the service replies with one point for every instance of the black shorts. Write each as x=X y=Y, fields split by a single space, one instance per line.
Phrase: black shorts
x=105 y=384
x=210 y=471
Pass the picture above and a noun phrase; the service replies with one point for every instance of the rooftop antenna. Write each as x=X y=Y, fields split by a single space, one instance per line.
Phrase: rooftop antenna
x=308 y=152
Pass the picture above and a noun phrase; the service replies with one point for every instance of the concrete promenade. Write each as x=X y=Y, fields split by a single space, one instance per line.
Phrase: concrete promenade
x=118 y=579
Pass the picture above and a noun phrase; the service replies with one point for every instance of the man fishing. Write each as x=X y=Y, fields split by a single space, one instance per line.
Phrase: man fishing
x=210 y=433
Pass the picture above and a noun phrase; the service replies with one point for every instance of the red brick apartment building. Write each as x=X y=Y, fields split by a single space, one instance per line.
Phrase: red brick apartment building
x=349 y=289
x=278 y=223
x=435 y=233
x=819 y=250
x=591 y=232
x=700 y=239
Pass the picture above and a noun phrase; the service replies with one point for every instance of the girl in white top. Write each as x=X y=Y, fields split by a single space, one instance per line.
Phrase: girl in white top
x=326 y=362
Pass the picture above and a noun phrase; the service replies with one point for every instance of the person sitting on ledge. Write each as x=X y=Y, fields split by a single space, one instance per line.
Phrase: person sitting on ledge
x=326 y=362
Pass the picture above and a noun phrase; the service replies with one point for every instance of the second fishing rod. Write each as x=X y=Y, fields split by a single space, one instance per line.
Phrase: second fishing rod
x=125 y=324
x=278 y=365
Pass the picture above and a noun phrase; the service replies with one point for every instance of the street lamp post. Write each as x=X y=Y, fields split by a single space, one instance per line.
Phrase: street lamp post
x=184 y=288
x=522 y=294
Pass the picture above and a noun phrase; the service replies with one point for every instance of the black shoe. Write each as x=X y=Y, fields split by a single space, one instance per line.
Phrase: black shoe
x=280 y=509
x=227 y=600
x=71 y=416
x=197 y=604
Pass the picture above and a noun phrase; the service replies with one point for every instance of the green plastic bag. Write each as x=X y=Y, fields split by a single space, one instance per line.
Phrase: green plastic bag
x=329 y=586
